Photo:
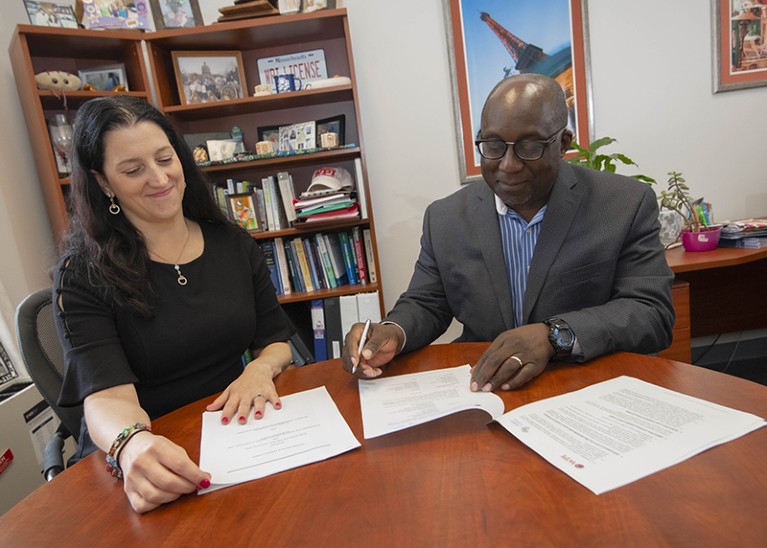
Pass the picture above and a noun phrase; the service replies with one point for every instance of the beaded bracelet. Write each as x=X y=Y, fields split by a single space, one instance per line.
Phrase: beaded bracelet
x=113 y=467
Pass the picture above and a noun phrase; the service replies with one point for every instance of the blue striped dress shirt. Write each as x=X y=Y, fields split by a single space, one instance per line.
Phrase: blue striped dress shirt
x=518 y=238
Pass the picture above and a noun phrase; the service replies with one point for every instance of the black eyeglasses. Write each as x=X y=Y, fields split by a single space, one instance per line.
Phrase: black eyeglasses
x=495 y=149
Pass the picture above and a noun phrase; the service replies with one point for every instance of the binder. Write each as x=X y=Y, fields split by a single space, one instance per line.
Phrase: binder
x=333 y=331
x=368 y=307
x=349 y=314
x=318 y=327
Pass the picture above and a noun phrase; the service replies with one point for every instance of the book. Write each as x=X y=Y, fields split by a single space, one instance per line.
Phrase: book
x=258 y=196
x=371 y=262
x=317 y=281
x=278 y=211
x=359 y=253
x=269 y=208
x=351 y=212
x=318 y=327
x=288 y=195
x=361 y=194
x=267 y=247
x=333 y=331
x=348 y=255
x=368 y=307
x=322 y=252
x=315 y=263
x=336 y=258
x=282 y=264
x=295 y=276
x=349 y=313
x=303 y=266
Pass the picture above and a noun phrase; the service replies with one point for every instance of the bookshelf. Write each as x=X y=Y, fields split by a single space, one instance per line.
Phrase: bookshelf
x=258 y=39
x=34 y=49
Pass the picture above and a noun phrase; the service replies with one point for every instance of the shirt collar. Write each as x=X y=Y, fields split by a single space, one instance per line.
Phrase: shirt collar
x=503 y=209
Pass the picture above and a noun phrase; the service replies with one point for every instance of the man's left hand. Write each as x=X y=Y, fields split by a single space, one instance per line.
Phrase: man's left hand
x=513 y=359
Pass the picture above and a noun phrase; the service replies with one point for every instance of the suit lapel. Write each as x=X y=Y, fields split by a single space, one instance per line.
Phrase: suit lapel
x=489 y=239
x=562 y=208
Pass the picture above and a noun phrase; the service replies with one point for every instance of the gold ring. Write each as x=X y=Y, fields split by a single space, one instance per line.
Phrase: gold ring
x=518 y=360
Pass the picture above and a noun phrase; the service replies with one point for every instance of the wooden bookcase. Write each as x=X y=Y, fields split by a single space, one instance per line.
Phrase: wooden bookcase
x=35 y=49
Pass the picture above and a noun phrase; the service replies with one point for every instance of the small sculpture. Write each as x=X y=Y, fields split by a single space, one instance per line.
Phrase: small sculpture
x=200 y=154
x=58 y=80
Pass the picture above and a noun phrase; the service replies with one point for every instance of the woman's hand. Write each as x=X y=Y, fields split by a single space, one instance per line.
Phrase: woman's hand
x=157 y=471
x=251 y=389
x=254 y=387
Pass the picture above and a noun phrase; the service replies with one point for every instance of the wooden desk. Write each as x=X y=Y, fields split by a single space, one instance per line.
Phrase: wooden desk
x=456 y=481
x=727 y=288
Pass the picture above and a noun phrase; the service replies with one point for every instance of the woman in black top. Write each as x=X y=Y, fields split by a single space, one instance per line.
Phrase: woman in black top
x=158 y=297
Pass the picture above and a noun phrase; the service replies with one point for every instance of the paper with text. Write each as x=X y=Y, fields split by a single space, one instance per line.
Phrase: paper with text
x=307 y=429
x=395 y=403
x=618 y=431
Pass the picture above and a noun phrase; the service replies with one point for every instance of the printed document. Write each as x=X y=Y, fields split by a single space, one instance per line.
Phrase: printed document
x=618 y=431
x=308 y=428
x=395 y=403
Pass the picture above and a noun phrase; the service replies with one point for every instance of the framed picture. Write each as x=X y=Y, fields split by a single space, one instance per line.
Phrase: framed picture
x=270 y=133
x=335 y=125
x=175 y=14
x=113 y=14
x=493 y=39
x=50 y=14
x=243 y=211
x=105 y=78
x=209 y=76
x=296 y=137
x=740 y=54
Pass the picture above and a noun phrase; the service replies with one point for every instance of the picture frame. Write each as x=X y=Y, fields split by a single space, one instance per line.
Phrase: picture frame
x=105 y=78
x=554 y=39
x=109 y=14
x=739 y=53
x=242 y=210
x=270 y=133
x=178 y=14
x=209 y=76
x=50 y=14
x=334 y=124
x=297 y=137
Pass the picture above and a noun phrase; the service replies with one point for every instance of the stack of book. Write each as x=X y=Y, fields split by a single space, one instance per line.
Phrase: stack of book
x=330 y=197
x=259 y=208
x=749 y=233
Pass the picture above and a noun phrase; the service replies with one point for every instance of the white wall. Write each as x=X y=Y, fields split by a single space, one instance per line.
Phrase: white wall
x=651 y=81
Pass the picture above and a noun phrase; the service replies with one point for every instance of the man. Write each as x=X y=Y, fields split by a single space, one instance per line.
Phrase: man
x=549 y=261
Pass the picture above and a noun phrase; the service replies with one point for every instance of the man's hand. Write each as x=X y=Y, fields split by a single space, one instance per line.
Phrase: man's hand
x=384 y=340
x=514 y=358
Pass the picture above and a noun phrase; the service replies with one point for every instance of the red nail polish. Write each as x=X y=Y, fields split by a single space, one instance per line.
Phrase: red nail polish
x=205 y=483
x=258 y=413
x=241 y=419
x=224 y=420
x=278 y=405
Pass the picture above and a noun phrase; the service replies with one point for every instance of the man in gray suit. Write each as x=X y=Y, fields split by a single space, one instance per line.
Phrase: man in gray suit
x=546 y=260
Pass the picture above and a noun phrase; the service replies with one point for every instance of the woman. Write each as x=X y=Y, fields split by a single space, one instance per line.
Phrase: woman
x=158 y=297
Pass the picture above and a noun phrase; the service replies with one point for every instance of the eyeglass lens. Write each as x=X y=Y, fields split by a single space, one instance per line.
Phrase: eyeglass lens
x=526 y=150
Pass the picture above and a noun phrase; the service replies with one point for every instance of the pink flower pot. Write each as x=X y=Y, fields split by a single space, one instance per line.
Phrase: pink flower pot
x=705 y=240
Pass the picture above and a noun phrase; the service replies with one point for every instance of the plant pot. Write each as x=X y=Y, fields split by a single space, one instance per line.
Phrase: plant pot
x=671 y=224
x=705 y=240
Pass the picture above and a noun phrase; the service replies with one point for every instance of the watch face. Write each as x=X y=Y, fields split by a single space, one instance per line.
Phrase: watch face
x=564 y=336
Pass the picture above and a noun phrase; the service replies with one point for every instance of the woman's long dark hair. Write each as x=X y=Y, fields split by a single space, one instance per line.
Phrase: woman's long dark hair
x=108 y=247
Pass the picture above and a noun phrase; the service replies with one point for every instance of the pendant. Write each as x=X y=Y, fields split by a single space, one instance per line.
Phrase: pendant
x=181 y=277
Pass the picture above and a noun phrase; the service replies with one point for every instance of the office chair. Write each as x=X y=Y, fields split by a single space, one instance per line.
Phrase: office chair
x=44 y=359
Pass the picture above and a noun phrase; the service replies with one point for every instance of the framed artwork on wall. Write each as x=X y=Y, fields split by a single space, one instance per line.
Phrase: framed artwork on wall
x=489 y=40
x=176 y=14
x=739 y=52
x=209 y=76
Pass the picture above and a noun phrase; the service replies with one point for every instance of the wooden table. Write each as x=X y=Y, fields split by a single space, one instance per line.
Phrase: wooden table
x=456 y=481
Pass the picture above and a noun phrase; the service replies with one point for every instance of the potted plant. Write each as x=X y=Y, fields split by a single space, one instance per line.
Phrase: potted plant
x=591 y=157
x=697 y=233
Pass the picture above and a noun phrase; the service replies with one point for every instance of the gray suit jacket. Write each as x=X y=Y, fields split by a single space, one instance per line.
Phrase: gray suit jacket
x=598 y=264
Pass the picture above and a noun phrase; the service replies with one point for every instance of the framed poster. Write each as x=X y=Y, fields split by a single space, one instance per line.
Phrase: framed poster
x=208 y=76
x=740 y=55
x=493 y=39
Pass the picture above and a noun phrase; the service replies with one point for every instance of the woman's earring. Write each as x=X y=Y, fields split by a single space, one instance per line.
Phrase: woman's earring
x=114 y=209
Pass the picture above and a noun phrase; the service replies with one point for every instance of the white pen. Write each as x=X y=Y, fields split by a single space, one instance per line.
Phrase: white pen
x=362 y=345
